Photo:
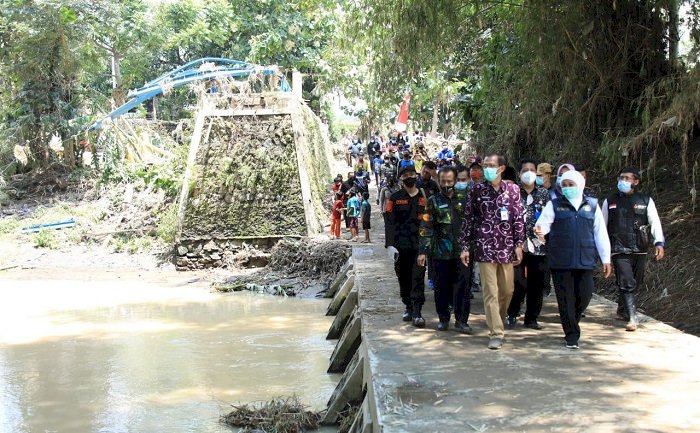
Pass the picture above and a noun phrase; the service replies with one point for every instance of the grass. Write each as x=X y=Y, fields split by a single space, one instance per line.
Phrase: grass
x=168 y=224
x=132 y=243
x=9 y=225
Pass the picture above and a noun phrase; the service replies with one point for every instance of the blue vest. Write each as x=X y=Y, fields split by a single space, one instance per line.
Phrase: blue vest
x=571 y=239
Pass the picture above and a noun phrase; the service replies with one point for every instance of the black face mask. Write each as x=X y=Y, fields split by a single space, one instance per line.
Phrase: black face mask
x=447 y=189
x=426 y=177
x=409 y=182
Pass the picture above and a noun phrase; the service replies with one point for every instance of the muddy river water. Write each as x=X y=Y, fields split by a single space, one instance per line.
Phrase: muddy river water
x=141 y=354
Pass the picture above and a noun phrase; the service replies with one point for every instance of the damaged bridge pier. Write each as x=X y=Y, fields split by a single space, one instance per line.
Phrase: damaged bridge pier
x=243 y=148
x=402 y=379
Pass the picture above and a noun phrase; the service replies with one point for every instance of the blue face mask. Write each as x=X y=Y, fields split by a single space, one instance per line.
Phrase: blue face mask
x=559 y=182
x=461 y=186
x=539 y=181
x=491 y=173
x=624 y=186
x=570 y=192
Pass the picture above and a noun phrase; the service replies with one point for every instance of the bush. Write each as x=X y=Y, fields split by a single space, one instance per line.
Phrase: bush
x=46 y=239
x=168 y=224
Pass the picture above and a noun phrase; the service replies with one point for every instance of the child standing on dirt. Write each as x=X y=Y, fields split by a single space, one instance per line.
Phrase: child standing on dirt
x=336 y=215
x=353 y=212
x=366 y=211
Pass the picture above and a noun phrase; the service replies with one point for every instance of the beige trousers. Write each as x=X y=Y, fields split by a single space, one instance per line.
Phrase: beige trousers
x=497 y=285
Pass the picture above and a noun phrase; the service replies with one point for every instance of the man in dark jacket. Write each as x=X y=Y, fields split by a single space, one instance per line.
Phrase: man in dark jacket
x=403 y=214
x=632 y=220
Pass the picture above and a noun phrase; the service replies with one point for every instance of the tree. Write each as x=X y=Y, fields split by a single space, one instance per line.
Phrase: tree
x=41 y=68
x=117 y=28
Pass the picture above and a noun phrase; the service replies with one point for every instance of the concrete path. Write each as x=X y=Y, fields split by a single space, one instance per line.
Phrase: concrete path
x=425 y=381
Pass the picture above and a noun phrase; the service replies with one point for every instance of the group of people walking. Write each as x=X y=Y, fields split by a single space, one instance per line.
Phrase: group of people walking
x=521 y=229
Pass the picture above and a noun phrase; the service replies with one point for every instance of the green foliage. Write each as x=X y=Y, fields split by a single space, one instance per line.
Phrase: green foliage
x=8 y=225
x=555 y=79
x=40 y=65
x=46 y=239
x=168 y=224
x=131 y=244
x=56 y=57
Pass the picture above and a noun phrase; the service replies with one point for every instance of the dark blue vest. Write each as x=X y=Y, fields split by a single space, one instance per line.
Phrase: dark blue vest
x=571 y=239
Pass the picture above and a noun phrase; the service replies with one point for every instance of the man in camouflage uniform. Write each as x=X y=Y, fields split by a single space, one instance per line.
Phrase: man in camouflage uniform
x=439 y=242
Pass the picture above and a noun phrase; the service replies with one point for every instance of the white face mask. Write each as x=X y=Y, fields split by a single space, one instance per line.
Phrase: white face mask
x=528 y=178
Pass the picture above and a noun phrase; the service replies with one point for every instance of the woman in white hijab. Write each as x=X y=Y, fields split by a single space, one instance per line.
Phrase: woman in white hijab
x=577 y=239
x=555 y=191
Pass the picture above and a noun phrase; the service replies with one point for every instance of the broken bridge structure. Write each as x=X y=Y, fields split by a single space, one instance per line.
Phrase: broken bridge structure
x=258 y=170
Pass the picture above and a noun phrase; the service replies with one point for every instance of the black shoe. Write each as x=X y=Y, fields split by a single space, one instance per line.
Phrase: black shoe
x=533 y=325
x=463 y=328
x=510 y=322
x=443 y=326
x=572 y=346
x=407 y=316
x=547 y=293
x=419 y=322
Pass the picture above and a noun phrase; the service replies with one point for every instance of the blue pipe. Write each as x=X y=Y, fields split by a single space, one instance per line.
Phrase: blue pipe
x=184 y=75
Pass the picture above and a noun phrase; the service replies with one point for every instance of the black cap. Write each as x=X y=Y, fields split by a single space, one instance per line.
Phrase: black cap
x=633 y=170
x=407 y=167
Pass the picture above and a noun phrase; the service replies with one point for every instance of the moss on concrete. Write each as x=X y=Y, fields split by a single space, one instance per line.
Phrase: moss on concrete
x=245 y=181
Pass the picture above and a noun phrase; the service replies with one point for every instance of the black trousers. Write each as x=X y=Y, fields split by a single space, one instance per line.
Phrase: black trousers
x=411 y=280
x=547 y=287
x=530 y=286
x=629 y=275
x=452 y=287
x=574 y=289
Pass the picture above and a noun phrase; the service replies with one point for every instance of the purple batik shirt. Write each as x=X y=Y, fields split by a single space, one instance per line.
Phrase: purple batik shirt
x=493 y=221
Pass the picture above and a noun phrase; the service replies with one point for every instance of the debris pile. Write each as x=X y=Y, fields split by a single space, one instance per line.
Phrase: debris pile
x=280 y=415
x=295 y=266
x=320 y=260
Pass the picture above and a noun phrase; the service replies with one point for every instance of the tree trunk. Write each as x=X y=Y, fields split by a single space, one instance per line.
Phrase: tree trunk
x=117 y=90
x=436 y=113
x=673 y=34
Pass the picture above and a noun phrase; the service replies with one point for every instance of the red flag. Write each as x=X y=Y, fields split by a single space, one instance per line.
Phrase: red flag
x=402 y=120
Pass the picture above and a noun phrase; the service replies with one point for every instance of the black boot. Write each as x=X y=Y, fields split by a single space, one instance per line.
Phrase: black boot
x=632 y=311
x=407 y=315
x=622 y=308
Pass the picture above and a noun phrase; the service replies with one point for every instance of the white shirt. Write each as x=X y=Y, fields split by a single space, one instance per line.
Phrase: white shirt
x=600 y=231
x=652 y=217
